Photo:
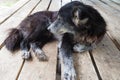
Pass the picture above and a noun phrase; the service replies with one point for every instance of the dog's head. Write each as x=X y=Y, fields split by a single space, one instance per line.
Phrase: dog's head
x=70 y=17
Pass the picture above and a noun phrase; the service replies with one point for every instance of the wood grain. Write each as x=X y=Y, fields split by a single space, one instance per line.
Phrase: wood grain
x=84 y=67
x=10 y=63
x=107 y=58
x=4 y=16
x=36 y=70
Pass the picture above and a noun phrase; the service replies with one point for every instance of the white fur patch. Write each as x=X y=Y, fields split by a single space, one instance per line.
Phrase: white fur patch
x=68 y=71
x=81 y=48
x=26 y=54
x=40 y=55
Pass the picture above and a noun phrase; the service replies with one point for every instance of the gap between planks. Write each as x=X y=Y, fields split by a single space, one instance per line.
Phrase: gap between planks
x=28 y=15
x=8 y=16
x=111 y=55
x=38 y=73
x=7 y=57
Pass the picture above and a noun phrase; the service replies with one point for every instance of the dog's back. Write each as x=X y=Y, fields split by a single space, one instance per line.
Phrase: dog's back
x=33 y=28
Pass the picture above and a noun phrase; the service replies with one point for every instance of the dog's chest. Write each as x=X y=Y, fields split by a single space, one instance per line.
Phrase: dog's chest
x=79 y=38
x=84 y=38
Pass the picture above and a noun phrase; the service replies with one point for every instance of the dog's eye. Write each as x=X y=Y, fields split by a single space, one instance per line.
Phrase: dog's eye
x=75 y=16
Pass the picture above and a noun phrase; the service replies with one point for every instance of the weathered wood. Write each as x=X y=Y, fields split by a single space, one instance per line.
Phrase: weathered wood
x=14 y=20
x=36 y=70
x=65 y=2
x=56 y=4
x=4 y=16
x=107 y=9
x=107 y=58
x=42 y=6
x=10 y=64
x=116 y=1
x=111 y=4
x=84 y=67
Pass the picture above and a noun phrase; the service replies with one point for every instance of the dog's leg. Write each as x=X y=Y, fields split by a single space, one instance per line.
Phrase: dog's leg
x=65 y=54
x=82 y=48
x=25 y=47
x=36 y=47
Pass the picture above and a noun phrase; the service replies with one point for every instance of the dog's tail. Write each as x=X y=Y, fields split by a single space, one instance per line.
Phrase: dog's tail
x=13 y=40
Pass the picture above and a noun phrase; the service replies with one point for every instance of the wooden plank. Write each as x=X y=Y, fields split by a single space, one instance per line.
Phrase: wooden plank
x=55 y=6
x=107 y=58
x=84 y=67
x=42 y=6
x=10 y=64
x=36 y=70
x=111 y=4
x=14 y=20
x=4 y=16
x=116 y=1
x=65 y=2
x=106 y=8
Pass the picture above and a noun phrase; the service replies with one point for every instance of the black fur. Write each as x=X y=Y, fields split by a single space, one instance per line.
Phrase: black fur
x=95 y=26
x=13 y=40
x=33 y=29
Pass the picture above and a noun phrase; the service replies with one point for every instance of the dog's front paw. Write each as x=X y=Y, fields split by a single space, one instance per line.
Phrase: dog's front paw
x=41 y=55
x=79 y=48
x=26 y=55
x=82 y=48
x=69 y=74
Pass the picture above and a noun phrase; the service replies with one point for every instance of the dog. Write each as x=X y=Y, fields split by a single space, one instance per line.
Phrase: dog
x=32 y=33
x=79 y=27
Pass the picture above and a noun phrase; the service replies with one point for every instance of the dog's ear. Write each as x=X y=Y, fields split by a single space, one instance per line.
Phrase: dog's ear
x=76 y=16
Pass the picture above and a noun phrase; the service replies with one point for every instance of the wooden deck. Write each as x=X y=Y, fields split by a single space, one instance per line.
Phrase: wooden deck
x=103 y=63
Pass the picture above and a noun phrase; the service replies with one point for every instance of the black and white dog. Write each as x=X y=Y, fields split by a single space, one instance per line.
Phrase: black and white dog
x=80 y=28
x=77 y=26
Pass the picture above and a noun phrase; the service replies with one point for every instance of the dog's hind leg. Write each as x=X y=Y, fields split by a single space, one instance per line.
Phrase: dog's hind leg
x=39 y=53
x=65 y=54
x=25 y=47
